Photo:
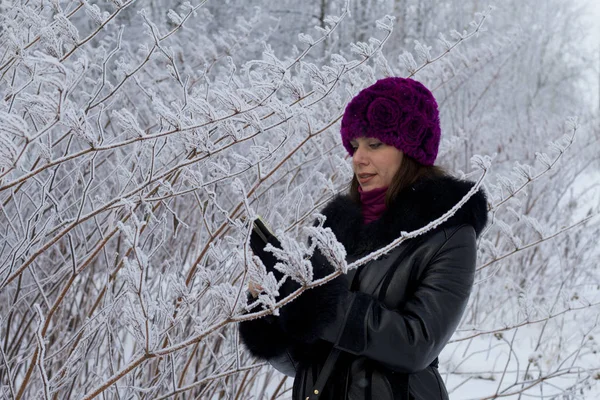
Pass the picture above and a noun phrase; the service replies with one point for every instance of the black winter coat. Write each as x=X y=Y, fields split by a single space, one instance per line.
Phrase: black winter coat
x=390 y=318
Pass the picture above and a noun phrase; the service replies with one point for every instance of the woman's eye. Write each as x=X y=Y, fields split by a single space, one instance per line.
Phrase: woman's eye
x=375 y=145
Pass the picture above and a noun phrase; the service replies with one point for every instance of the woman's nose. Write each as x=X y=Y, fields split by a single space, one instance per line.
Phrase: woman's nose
x=359 y=156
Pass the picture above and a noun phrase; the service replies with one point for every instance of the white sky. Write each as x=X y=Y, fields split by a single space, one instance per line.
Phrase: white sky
x=594 y=44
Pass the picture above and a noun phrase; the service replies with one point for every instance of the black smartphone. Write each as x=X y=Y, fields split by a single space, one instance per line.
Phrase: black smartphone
x=264 y=233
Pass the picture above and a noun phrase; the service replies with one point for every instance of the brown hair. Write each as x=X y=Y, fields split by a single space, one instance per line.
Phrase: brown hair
x=409 y=172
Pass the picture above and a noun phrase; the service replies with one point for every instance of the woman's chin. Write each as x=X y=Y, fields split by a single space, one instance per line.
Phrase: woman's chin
x=369 y=186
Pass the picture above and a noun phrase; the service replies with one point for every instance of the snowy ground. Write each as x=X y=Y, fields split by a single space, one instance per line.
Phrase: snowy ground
x=494 y=365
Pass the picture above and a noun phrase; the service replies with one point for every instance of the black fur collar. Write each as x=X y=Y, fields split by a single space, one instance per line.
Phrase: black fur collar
x=416 y=206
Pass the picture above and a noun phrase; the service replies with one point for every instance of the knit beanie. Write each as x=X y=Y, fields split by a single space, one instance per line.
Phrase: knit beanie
x=400 y=112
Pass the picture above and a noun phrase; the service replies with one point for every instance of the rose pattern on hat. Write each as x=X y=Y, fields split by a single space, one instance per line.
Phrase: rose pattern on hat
x=383 y=114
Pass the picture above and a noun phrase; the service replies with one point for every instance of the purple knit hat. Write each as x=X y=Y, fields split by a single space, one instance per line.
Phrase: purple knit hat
x=400 y=112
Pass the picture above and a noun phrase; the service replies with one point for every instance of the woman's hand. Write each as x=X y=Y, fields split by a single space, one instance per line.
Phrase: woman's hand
x=254 y=288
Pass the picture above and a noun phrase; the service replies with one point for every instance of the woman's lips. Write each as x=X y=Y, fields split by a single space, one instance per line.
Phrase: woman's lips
x=364 y=178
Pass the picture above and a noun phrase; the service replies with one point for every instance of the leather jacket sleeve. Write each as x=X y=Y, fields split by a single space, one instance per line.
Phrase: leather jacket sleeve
x=407 y=340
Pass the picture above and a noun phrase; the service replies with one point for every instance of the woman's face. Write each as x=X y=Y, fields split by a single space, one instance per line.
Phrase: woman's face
x=374 y=162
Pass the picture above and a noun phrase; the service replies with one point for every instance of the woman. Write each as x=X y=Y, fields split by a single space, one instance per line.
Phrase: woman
x=375 y=333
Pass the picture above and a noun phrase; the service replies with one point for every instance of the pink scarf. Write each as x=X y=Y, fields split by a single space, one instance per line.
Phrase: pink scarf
x=373 y=203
